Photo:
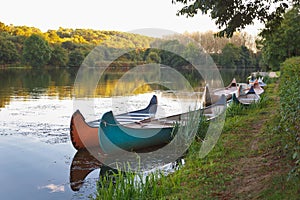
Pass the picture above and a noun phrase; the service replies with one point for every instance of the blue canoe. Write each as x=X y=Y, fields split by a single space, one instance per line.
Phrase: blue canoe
x=114 y=136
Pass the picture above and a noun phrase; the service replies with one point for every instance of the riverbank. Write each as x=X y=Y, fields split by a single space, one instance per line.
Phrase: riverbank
x=249 y=160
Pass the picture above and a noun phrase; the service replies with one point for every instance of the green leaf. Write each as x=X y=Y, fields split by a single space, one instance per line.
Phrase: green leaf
x=295 y=155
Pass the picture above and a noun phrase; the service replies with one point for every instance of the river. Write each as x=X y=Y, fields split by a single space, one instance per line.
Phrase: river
x=35 y=149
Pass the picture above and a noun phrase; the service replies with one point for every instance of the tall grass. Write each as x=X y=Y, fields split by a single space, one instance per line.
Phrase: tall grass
x=135 y=185
x=235 y=109
x=202 y=128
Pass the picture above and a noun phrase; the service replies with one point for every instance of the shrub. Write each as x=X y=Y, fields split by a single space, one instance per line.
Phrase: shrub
x=290 y=107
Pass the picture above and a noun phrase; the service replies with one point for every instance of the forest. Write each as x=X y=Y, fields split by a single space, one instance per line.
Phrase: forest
x=66 y=47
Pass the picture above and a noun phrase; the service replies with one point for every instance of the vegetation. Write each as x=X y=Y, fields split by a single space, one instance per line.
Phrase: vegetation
x=8 y=51
x=283 y=41
x=234 y=15
x=289 y=108
x=278 y=41
x=115 y=184
x=239 y=51
x=236 y=57
x=36 y=51
x=59 y=48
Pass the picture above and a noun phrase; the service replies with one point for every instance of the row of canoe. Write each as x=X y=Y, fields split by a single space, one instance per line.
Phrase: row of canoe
x=140 y=129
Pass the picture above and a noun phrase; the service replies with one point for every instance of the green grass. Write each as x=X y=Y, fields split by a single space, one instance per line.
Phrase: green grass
x=281 y=188
x=134 y=185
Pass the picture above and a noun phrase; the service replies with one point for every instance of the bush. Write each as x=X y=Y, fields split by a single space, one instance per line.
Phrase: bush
x=290 y=107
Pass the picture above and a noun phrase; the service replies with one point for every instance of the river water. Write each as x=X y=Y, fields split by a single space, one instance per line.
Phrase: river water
x=36 y=154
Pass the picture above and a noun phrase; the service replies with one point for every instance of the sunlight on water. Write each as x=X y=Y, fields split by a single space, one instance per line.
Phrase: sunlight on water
x=35 y=149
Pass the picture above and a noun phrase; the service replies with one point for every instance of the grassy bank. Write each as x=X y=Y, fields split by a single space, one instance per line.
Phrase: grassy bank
x=249 y=161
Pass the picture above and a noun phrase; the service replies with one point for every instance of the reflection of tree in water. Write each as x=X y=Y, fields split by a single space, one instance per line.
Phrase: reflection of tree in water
x=34 y=83
x=59 y=82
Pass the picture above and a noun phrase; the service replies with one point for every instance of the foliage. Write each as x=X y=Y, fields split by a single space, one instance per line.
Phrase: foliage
x=212 y=44
x=36 y=51
x=76 y=57
x=235 y=109
x=8 y=51
x=233 y=56
x=234 y=15
x=290 y=106
x=59 y=56
x=153 y=57
x=78 y=40
x=230 y=55
x=284 y=41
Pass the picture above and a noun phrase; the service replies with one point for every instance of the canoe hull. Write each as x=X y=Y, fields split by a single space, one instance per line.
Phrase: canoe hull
x=246 y=99
x=113 y=136
x=82 y=135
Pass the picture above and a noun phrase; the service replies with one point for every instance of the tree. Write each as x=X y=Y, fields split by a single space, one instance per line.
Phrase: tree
x=8 y=51
x=230 y=56
x=245 y=57
x=169 y=55
x=76 y=57
x=59 y=56
x=192 y=53
x=36 y=51
x=52 y=36
x=153 y=57
x=233 y=15
x=284 y=41
x=214 y=45
x=69 y=45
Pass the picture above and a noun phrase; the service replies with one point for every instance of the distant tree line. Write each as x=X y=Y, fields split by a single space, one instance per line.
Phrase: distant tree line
x=68 y=47
x=59 y=48
x=239 y=51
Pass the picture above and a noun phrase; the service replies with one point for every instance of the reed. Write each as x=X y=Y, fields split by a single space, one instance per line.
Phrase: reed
x=134 y=185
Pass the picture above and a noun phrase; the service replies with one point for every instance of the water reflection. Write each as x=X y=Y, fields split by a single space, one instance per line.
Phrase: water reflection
x=58 y=83
x=53 y=188
x=85 y=163
x=82 y=165
x=34 y=83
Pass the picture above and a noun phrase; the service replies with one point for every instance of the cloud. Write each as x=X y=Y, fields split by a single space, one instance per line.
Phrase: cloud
x=53 y=188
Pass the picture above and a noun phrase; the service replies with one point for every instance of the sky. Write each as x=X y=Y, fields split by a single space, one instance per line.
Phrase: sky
x=117 y=15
